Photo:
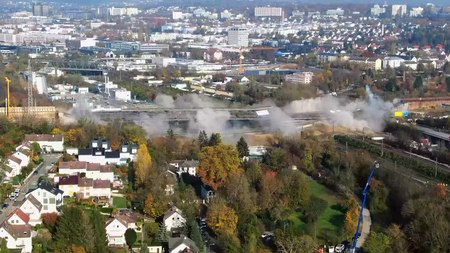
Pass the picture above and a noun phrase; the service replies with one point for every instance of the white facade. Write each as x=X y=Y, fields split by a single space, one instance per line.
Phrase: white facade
x=300 y=78
x=416 y=12
x=127 y=11
x=174 y=219
x=399 y=9
x=115 y=230
x=269 y=12
x=120 y=94
x=33 y=210
x=47 y=142
x=392 y=62
x=50 y=200
x=23 y=242
x=238 y=37
x=176 y=15
x=377 y=10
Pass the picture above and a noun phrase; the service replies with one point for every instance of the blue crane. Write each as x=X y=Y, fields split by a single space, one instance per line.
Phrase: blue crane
x=375 y=165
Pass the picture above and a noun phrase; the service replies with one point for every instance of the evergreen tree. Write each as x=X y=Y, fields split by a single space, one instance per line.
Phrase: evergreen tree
x=194 y=234
x=98 y=225
x=130 y=237
x=163 y=235
x=73 y=228
x=418 y=83
x=202 y=139
x=242 y=147
x=215 y=139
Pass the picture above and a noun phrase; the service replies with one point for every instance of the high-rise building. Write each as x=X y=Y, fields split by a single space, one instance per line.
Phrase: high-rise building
x=416 y=12
x=269 y=12
x=40 y=9
x=238 y=36
x=399 y=10
x=377 y=10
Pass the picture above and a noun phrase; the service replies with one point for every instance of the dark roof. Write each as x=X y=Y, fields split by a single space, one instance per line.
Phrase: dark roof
x=15 y=159
x=85 y=151
x=112 y=154
x=49 y=187
x=171 y=211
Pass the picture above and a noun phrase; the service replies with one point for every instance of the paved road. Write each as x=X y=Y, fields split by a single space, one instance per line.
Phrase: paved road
x=30 y=183
x=367 y=223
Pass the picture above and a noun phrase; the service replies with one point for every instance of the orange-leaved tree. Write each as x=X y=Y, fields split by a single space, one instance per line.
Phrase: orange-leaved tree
x=222 y=219
x=217 y=164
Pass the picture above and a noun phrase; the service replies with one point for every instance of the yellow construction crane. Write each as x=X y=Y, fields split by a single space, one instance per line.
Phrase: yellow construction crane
x=8 y=82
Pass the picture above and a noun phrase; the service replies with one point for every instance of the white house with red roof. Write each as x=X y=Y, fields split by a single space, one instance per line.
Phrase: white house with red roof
x=17 y=232
x=91 y=170
x=116 y=227
x=84 y=187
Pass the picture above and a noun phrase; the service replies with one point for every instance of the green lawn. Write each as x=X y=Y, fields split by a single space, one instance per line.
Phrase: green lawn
x=119 y=202
x=330 y=222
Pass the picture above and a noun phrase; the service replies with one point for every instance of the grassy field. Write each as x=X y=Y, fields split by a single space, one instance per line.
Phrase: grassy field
x=330 y=222
x=119 y=202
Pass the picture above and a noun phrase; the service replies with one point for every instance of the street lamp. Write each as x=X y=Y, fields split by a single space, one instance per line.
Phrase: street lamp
x=379 y=138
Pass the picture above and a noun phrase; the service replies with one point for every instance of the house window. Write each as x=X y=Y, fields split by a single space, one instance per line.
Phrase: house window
x=45 y=194
x=45 y=207
x=45 y=201
x=52 y=201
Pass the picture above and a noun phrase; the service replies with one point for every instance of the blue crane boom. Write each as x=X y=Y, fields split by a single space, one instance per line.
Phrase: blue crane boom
x=375 y=165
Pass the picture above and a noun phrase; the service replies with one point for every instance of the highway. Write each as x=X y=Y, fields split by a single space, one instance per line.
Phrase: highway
x=428 y=131
x=30 y=183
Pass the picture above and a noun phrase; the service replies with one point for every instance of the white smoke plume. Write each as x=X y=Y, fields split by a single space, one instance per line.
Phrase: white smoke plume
x=356 y=115
x=164 y=101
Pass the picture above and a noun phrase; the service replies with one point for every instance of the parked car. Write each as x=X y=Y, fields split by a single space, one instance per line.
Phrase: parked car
x=5 y=205
x=339 y=248
x=331 y=249
x=17 y=190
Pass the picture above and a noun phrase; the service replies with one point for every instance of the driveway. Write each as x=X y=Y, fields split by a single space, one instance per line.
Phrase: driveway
x=30 y=183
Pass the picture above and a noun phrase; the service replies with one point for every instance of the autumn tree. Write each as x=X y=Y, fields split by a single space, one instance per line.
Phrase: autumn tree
x=49 y=220
x=398 y=241
x=221 y=218
x=351 y=217
x=289 y=242
x=217 y=163
x=153 y=207
x=143 y=164
x=242 y=147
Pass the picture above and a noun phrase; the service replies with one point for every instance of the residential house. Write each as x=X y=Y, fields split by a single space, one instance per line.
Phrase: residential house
x=182 y=244
x=188 y=166
x=116 y=227
x=83 y=187
x=100 y=152
x=18 y=237
x=17 y=232
x=49 y=196
x=48 y=142
x=33 y=208
x=174 y=219
x=17 y=160
x=90 y=170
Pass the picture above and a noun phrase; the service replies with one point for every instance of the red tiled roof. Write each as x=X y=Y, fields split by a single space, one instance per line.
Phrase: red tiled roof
x=23 y=216
x=70 y=180
x=102 y=184
x=17 y=231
